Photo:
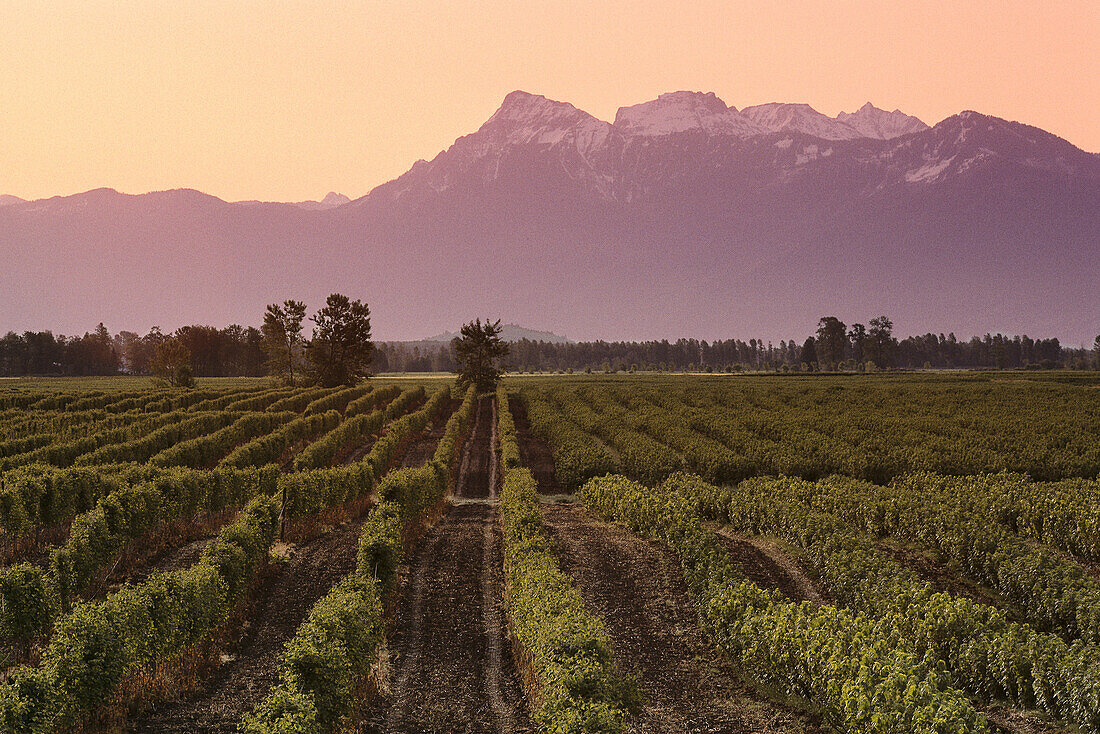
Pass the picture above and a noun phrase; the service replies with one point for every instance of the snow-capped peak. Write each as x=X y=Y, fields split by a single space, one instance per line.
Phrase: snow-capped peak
x=781 y=117
x=531 y=118
x=872 y=122
x=676 y=112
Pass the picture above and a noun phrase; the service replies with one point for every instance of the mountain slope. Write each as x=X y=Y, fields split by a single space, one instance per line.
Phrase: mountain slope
x=678 y=219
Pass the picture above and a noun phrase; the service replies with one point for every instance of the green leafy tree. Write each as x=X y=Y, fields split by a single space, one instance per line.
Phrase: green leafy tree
x=479 y=352
x=171 y=364
x=832 y=341
x=341 y=349
x=1096 y=353
x=857 y=335
x=282 y=337
x=881 y=344
x=809 y=353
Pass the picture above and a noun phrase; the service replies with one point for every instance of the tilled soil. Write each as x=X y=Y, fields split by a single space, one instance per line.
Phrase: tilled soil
x=421 y=450
x=451 y=670
x=247 y=675
x=474 y=472
x=766 y=565
x=535 y=453
x=638 y=588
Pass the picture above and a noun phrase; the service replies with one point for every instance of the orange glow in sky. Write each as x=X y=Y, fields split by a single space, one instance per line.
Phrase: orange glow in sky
x=282 y=100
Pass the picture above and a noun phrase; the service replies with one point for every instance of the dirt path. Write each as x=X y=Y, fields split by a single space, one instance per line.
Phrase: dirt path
x=249 y=673
x=768 y=566
x=535 y=453
x=638 y=588
x=477 y=456
x=451 y=670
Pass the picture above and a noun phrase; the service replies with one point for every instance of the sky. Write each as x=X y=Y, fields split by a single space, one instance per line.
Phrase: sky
x=284 y=101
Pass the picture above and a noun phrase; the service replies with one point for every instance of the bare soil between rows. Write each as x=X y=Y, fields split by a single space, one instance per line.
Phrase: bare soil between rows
x=451 y=670
x=251 y=667
x=534 y=452
x=477 y=455
x=421 y=450
x=768 y=566
x=638 y=588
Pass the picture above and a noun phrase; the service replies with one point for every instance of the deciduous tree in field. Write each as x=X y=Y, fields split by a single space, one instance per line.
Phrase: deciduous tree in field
x=479 y=351
x=832 y=341
x=282 y=337
x=171 y=364
x=341 y=349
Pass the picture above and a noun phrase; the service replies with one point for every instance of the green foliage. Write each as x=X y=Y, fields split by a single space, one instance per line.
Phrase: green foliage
x=341 y=349
x=579 y=687
x=209 y=449
x=479 y=351
x=506 y=433
x=381 y=545
x=859 y=671
x=271 y=447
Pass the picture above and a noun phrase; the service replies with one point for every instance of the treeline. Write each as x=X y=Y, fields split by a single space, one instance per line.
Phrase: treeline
x=234 y=351
x=239 y=351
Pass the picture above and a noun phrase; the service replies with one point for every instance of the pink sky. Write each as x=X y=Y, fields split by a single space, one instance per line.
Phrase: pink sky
x=288 y=100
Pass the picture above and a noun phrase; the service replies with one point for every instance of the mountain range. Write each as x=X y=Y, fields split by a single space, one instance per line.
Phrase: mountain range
x=682 y=217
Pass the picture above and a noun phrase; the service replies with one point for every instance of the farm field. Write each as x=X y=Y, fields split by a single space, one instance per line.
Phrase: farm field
x=574 y=553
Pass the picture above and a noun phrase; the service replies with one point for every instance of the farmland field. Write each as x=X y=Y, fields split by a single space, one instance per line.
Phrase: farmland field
x=575 y=553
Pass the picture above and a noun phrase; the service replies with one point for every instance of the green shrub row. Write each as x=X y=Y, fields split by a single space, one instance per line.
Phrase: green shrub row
x=372 y=400
x=337 y=400
x=507 y=443
x=206 y=450
x=580 y=689
x=177 y=428
x=73 y=451
x=323 y=451
x=33 y=596
x=270 y=447
x=857 y=670
x=36 y=495
x=989 y=656
x=100 y=644
x=577 y=458
x=260 y=401
x=448 y=448
x=398 y=430
x=22 y=445
x=298 y=401
x=333 y=650
x=309 y=492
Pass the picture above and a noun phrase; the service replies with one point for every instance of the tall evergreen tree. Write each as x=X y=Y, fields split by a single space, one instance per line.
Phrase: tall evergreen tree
x=479 y=351
x=341 y=349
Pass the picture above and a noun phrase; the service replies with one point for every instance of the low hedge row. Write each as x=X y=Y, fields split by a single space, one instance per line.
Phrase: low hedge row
x=321 y=452
x=45 y=495
x=31 y=597
x=205 y=450
x=177 y=427
x=66 y=453
x=260 y=401
x=398 y=430
x=270 y=447
x=446 y=451
x=309 y=492
x=508 y=444
x=337 y=400
x=372 y=400
x=298 y=401
x=333 y=650
x=100 y=644
x=859 y=671
x=579 y=687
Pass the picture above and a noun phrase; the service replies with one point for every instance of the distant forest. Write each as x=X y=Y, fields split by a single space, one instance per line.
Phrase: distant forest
x=236 y=351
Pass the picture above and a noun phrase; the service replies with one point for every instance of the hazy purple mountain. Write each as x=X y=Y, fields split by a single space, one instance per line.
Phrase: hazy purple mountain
x=6 y=199
x=684 y=217
x=509 y=333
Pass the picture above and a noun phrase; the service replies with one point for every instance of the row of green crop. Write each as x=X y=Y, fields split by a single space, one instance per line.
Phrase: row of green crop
x=507 y=442
x=337 y=400
x=297 y=401
x=272 y=446
x=331 y=655
x=37 y=495
x=352 y=430
x=68 y=452
x=99 y=645
x=857 y=670
x=567 y=650
x=732 y=429
x=372 y=400
x=32 y=597
x=1055 y=594
x=173 y=429
x=259 y=401
x=207 y=450
x=577 y=458
x=987 y=655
